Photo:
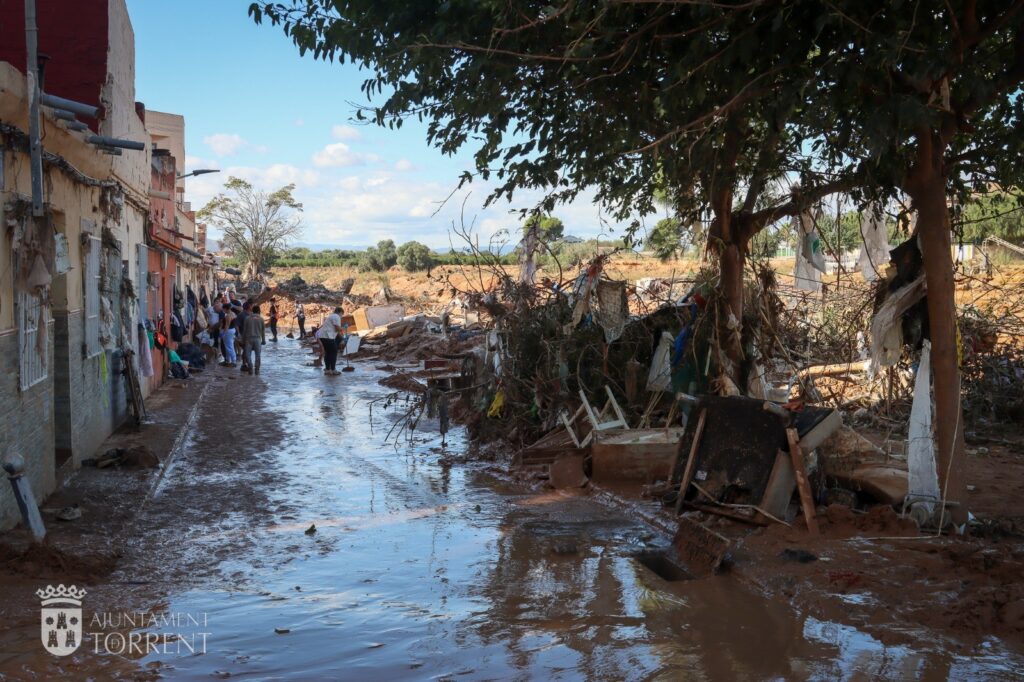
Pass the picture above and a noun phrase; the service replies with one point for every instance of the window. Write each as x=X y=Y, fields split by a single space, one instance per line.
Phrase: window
x=33 y=340
x=92 y=286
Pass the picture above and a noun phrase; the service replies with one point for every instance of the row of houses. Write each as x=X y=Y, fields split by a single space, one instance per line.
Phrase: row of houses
x=110 y=255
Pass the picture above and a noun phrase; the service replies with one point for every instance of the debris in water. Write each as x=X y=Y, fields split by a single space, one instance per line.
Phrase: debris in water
x=282 y=631
x=311 y=530
x=799 y=555
x=72 y=513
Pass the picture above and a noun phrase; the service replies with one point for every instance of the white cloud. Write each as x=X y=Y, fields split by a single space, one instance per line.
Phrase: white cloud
x=229 y=144
x=346 y=133
x=360 y=204
x=403 y=165
x=339 y=154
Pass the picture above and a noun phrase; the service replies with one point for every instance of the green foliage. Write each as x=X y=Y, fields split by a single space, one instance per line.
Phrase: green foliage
x=378 y=258
x=633 y=99
x=998 y=214
x=414 y=257
x=549 y=228
x=666 y=238
x=767 y=242
x=256 y=224
x=670 y=238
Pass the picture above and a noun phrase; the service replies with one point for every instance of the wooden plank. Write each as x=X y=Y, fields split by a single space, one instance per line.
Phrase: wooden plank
x=691 y=461
x=802 y=484
x=698 y=548
x=780 y=487
x=615 y=406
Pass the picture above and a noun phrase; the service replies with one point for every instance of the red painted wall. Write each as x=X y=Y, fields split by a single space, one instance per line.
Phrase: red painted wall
x=74 y=34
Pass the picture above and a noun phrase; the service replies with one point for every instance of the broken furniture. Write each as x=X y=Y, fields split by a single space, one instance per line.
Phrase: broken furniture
x=633 y=455
x=597 y=420
x=739 y=454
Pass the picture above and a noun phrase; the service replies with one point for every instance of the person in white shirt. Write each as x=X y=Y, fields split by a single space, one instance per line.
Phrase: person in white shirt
x=328 y=334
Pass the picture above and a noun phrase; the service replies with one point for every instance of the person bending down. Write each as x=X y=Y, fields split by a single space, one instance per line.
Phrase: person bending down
x=328 y=335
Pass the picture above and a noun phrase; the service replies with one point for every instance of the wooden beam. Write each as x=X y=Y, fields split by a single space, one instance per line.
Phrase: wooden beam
x=802 y=484
x=691 y=461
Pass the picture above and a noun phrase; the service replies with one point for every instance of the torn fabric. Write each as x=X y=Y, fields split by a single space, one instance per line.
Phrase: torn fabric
x=874 y=252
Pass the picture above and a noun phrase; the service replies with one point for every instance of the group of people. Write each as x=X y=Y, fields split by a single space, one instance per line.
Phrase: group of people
x=237 y=329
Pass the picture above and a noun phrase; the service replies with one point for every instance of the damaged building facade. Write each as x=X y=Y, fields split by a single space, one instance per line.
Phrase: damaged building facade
x=76 y=272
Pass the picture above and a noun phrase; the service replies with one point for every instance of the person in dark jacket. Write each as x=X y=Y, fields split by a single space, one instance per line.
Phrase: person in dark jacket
x=254 y=337
x=273 y=319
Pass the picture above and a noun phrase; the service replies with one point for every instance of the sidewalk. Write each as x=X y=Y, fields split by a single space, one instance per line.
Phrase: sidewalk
x=110 y=499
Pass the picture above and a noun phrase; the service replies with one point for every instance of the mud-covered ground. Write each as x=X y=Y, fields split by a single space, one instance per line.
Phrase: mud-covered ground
x=416 y=569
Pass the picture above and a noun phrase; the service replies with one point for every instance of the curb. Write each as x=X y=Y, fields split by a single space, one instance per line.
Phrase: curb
x=172 y=454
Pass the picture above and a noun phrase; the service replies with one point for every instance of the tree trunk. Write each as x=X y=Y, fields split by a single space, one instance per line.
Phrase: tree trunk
x=926 y=185
x=731 y=260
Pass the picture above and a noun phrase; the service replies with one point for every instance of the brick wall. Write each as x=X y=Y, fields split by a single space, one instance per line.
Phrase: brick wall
x=26 y=427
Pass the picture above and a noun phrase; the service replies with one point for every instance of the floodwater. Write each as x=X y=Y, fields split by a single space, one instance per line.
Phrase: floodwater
x=416 y=570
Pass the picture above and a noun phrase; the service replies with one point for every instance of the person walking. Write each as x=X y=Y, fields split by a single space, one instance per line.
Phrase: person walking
x=213 y=318
x=273 y=319
x=240 y=334
x=254 y=337
x=328 y=335
x=227 y=335
x=300 y=316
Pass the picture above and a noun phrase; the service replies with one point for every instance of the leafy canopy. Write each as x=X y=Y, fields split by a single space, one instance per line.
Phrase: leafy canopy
x=549 y=228
x=414 y=257
x=611 y=95
x=256 y=223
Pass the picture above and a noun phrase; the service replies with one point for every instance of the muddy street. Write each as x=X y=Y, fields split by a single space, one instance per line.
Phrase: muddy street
x=288 y=540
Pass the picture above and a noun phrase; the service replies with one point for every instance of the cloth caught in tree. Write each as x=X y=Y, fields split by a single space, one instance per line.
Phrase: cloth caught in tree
x=612 y=308
x=810 y=262
x=922 y=476
x=887 y=323
x=660 y=376
x=874 y=252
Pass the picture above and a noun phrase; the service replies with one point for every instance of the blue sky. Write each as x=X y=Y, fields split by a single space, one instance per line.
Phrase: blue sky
x=254 y=108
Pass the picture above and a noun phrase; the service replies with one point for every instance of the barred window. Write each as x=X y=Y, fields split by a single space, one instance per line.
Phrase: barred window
x=33 y=340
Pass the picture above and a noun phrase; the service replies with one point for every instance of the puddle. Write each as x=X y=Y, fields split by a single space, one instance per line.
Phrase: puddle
x=418 y=570
x=662 y=565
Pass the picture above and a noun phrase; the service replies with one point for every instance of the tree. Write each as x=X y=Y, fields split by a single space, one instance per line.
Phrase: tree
x=623 y=97
x=549 y=228
x=666 y=239
x=256 y=224
x=719 y=101
x=930 y=103
x=414 y=257
x=379 y=258
x=999 y=214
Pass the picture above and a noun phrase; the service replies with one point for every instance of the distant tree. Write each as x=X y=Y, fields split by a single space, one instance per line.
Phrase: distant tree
x=992 y=215
x=378 y=258
x=387 y=253
x=256 y=224
x=550 y=228
x=666 y=238
x=413 y=257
